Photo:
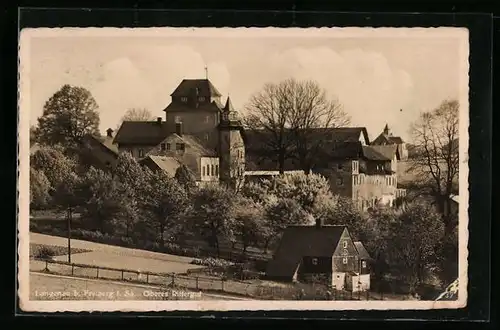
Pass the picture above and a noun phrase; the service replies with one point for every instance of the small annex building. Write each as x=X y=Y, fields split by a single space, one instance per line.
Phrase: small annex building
x=320 y=253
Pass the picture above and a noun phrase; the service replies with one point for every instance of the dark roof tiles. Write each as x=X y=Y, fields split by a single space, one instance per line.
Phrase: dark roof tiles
x=203 y=87
x=300 y=241
x=141 y=132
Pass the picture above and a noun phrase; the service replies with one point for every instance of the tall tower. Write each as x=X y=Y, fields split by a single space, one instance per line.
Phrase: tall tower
x=231 y=147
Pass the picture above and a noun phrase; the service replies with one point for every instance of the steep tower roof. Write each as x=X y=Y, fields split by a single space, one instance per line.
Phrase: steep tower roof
x=229 y=106
x=386 y=129
x=203 y=87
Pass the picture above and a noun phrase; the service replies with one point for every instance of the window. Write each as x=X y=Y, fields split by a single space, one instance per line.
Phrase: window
x=344 y=261
x=180 y=146
x=363 y=264
x=163 y=147
x=141 y=153
x=201 y=99
x=217 y=170
x=208 y=170
x=168 y=146
x=203 y=170
x=344 y=244
x=178 y=119
x=207 y=119
x=207 y=137
x=212 y=172
x=340 y=181
x=339 y=166
x=184 y=99
x=314 y=261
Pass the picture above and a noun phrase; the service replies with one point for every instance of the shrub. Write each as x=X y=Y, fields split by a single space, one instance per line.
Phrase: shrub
x=44 y=253
x=212 y=262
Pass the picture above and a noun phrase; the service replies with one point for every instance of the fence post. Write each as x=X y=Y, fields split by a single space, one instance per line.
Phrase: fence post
x=46 y=265
x=122 y=274
x=173 y=279
x=222 y=284
x=97 y=272
x=147 y=277
x=197 y=278
x=72 y=269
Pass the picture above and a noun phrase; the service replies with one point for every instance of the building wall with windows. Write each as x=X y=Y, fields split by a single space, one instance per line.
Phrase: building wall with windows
x=209 y=169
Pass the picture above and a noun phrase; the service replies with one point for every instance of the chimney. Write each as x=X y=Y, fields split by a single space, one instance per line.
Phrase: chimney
x=178 y=129
x=158 y=120
x=319 y=223
x=109 y=132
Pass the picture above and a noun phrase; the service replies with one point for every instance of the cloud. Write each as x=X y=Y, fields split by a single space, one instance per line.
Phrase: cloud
x=371 y=90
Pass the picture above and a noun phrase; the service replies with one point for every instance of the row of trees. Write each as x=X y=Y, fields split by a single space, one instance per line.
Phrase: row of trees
x=131 y=201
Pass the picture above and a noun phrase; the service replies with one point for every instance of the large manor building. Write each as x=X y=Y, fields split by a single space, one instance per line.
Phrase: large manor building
x=205 y=133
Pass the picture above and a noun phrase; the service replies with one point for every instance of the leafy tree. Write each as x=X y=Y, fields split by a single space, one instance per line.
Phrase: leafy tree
x=435 y=159
x=132 y=184
x=185 y=178
x=249 y=220
x=212 y=214
x=342 y=211
x=69 y=115
x=102 y=201
x=52 y=161
x=311 y=191
x=447 y=257
x=414 y=236
x=258 y=193
x=33 y=135
x=39 y=189
x=163 y=202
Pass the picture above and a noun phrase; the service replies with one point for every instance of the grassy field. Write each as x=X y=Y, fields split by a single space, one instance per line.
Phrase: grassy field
x=49 y=287
x=36 y=249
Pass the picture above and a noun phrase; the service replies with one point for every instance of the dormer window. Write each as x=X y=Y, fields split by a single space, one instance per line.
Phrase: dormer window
x=201 y=99
x=180 y=146
x=184 y=99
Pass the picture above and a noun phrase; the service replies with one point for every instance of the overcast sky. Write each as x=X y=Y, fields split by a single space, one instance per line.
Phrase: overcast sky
x=379 y=79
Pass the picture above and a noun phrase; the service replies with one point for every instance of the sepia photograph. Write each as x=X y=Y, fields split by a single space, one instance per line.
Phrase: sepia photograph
x=243 y=169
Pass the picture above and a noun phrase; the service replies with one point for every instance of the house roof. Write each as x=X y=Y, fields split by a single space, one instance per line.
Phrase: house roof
x=388 y=150
x=108 y=143
x=189 y=86
x=395 y=139
x=300 y=241
x=369 y=152
x=168 y=164
x=363 y=254
x=389 y=138
x=141 y=132
x=197 y=146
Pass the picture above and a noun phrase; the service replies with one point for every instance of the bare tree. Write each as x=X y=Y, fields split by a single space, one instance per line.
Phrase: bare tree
x=268 y=119
x=292 y=118
x=436 y=159
x=137 y=114
x=312 y=115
